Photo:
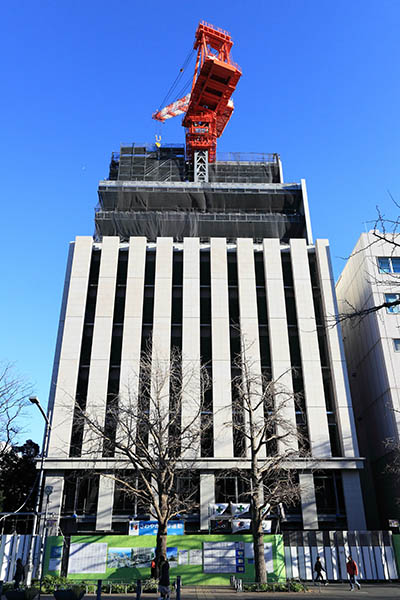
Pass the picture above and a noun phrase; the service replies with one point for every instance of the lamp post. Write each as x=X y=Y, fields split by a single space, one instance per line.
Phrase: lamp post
x=36 y=521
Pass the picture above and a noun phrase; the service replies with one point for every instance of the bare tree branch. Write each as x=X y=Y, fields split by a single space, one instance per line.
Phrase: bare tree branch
x=152 y=434
x=263 y=417
x=14 y=393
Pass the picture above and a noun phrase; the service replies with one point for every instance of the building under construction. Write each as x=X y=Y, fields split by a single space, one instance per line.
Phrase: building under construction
x=197 y=251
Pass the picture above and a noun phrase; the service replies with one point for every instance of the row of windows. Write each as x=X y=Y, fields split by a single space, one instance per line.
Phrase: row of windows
x=80 y=495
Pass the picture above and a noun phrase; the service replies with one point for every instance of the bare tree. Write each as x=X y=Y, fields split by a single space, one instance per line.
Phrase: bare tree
x=14 y=393
x=153 y=431
x=264 y=419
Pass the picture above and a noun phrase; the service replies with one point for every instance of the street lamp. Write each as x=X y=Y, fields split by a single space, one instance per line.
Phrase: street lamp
x=35 y=400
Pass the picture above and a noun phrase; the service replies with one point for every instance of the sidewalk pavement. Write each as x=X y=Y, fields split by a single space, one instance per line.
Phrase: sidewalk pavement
x=369 y=591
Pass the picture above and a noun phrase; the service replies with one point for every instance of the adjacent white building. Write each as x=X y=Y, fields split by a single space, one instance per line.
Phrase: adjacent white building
x=185 y=261
x=372 y=345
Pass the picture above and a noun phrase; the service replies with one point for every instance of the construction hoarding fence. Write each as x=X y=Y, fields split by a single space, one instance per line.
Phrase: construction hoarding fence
x=208 y=559
x=213 y=559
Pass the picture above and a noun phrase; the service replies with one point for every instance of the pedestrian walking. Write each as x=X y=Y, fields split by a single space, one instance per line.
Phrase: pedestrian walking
x=163 y=582
x=19 y=574
x=352 y=571
x=318 y=568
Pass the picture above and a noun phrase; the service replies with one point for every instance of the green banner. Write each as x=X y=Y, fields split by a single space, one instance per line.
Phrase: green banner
x=198 y=559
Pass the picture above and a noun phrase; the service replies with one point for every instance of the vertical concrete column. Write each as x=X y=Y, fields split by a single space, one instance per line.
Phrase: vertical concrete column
x=308 y=502
x=56 y=481
x=277 y=327
x=64 y=397
x=353 y=500
x=310 y=358
x=221 y=356
x=96 y=401
x=207 y=496
x=191 y=342
x=162 y=323
x=341 y=388
x=132 y=337
x=249 y=324
x=105 y=504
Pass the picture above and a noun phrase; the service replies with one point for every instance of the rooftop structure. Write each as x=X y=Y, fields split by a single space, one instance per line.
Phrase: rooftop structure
x=155 y=192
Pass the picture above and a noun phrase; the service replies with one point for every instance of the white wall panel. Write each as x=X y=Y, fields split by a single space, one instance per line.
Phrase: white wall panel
x=311 y=364
x=132 y=332
x=161 y=347
x=340 y=381
x=101 y=345
x=64 y=397
x=353 y=500
x=105 y=504
x=308 y=502
x=277 y=324
x=221 y=365
x=191 y=340
x=249 y=322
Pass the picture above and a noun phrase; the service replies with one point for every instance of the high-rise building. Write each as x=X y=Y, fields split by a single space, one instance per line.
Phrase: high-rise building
x=372 y=345
x=196 y=255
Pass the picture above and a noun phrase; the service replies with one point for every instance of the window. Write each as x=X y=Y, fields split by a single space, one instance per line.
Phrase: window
x=392 y=298
x=396 y=344
x=389 y=265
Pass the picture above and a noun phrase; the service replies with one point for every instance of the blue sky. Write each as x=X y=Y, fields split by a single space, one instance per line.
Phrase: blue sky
x=320 y=86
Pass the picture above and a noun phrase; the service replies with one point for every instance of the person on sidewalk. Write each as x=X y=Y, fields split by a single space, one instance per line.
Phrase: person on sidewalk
x=352 y=571
x=19 y=574
x=163 y=582
x=318 y=568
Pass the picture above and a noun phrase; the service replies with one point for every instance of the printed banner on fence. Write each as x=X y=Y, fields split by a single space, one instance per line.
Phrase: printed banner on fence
x=151 y=528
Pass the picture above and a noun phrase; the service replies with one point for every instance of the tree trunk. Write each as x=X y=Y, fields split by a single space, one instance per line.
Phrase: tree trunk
x=258 y=546
x=161 y=547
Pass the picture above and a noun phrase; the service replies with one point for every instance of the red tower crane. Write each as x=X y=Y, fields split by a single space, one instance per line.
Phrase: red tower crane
x=208 y=106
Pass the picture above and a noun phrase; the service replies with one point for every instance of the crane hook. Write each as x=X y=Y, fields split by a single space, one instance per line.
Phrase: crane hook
x=158 y=141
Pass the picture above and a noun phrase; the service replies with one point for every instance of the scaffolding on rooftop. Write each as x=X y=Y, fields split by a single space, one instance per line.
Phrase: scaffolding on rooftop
x=146 y=162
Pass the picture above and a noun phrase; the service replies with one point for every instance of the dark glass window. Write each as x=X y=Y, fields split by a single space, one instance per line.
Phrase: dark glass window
x=176 y=311
x=205 y=273
x=232 y=268
x=177 y=270
x=111 y=417
x=329 y=493
x=287 y=270
x=207 y=420
x=232 y=488
x=150 y=268
x=291 y=314
x=80 y=494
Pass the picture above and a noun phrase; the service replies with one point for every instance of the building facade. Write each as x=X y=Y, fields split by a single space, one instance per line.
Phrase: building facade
x=372 y=345
x=197 y=257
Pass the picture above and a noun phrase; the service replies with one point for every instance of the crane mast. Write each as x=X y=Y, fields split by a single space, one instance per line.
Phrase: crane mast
x=208 y=107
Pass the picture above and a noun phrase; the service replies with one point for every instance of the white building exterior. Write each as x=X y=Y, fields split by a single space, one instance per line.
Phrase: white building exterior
x=372 y=345
x=187 y=290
